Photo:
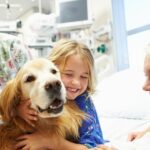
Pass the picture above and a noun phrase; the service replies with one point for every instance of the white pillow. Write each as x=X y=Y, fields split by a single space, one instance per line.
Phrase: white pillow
x=121 y=95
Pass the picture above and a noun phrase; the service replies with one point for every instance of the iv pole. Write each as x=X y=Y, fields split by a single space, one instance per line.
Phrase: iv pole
x=40 y=6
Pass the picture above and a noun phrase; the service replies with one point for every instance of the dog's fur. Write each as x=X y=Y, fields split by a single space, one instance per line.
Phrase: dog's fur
x=38 y=80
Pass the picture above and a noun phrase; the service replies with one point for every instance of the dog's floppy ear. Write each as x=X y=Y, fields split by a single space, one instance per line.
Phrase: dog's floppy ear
x=8 y=100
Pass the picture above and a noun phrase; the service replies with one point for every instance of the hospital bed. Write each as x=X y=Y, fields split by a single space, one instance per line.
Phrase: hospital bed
x=123 y=107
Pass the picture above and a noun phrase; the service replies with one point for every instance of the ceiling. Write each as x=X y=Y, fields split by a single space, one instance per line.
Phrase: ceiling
x=14 y=9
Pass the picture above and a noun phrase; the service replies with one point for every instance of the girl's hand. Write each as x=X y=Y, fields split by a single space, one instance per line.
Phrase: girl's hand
x=26 y=112
x=135 y=135
x=35 y=141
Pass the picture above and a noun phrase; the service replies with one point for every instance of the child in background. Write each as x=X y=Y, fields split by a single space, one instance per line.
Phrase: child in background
x=136 y=135
x=76 y=65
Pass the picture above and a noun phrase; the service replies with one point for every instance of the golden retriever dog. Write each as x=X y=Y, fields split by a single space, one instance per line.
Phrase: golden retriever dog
x=38 y=80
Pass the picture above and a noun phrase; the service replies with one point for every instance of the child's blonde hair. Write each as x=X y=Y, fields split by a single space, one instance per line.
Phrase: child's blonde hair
x=68 y=47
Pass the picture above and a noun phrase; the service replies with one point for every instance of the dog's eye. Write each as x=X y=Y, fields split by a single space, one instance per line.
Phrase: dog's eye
x=53 y=71
x=30 y=78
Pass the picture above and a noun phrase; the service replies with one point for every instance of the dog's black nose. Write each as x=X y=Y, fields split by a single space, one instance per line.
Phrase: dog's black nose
x=53 y=87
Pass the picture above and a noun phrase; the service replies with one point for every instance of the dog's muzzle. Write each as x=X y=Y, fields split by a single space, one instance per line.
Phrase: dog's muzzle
x=53 y=90
x=55 y=107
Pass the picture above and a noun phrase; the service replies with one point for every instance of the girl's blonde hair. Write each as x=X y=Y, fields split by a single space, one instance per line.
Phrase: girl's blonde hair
x=68 y=47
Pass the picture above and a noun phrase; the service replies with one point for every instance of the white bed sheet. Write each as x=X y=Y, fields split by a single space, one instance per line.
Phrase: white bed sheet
x=116 y=131
x=139 y=144
x=118 y=128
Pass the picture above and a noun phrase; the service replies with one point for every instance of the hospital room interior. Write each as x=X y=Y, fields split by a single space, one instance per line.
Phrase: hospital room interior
x=118 y=35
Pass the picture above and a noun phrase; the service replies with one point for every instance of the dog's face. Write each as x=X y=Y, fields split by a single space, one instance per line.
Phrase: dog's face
x=38 y=80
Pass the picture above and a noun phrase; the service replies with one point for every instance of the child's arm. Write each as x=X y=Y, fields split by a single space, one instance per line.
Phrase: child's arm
x=39 y=141
x=67 y=145
x=26 y=112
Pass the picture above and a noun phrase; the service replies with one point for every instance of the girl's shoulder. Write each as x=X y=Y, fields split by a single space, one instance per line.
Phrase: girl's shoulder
x=84 y=102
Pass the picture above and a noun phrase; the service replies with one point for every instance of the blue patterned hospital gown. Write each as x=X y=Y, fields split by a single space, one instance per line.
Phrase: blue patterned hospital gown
x=90 y=131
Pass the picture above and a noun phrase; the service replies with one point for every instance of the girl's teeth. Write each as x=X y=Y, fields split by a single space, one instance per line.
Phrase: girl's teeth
x=72 y=90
